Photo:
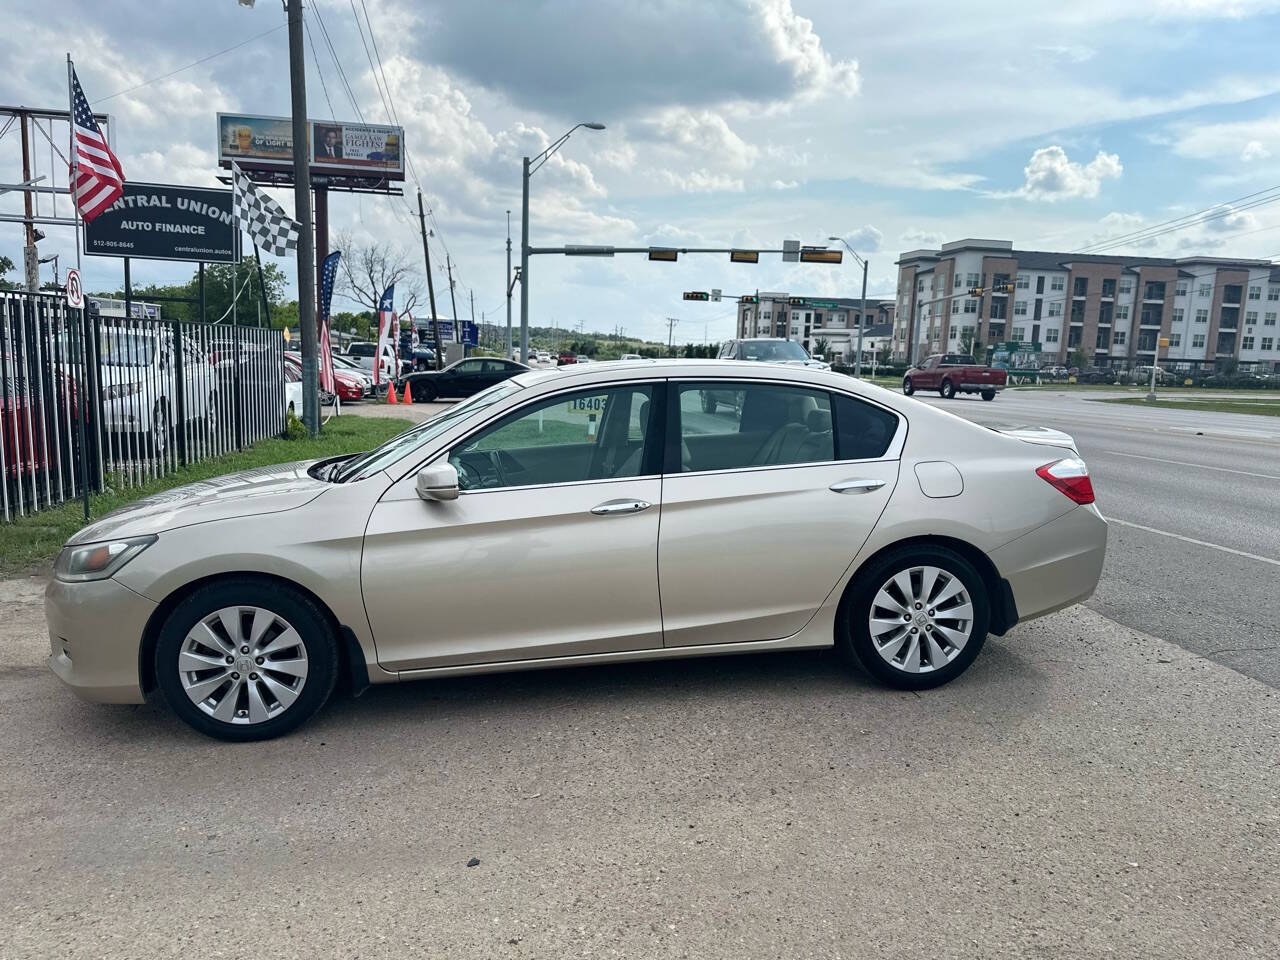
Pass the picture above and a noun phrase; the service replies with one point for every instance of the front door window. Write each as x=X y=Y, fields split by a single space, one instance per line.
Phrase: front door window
x=590 y=435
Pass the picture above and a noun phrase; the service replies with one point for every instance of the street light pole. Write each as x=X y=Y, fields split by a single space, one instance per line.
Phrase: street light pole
x=524 y=266
x=862 y=318
x=529 y=169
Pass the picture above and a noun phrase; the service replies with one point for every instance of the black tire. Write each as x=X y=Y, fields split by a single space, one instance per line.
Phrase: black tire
x=908 y=388
x=988 y=394
x=948 y=390
x=158 y=434
x=853 y=634
x=295 y=608
x=422 y=392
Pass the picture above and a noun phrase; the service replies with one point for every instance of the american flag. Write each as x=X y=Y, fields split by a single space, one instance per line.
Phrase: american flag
x=99 y=181
x=328 y=274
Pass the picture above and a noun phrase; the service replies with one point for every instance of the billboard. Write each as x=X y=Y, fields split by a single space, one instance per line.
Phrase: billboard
x=336 y=149
x=160 y=222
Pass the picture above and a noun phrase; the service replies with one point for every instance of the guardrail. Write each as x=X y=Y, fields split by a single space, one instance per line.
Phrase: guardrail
x=90 y=402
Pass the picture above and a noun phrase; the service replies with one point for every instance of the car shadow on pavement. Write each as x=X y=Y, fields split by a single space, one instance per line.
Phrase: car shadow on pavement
x=807 y=686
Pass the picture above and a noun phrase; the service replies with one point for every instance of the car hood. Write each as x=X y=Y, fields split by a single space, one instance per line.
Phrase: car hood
x=265 y=490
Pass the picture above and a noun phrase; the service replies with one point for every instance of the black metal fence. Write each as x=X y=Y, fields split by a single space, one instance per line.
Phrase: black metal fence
x=93 y=402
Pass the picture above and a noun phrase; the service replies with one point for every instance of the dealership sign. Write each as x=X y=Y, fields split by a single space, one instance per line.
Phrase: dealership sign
x=158 y=222
x=336 y=149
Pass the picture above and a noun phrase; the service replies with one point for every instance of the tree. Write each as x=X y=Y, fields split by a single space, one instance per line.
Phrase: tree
x=822 y=346
x=6 y=265
x=364 y=272
x=1077 y=359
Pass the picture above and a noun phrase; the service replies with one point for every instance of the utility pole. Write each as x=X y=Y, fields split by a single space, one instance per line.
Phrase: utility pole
x=671 y=326
x=473 y=311
x=302 y=206
x=30 y=256
x=509 y=281
x=431 y=287
x=457 y=323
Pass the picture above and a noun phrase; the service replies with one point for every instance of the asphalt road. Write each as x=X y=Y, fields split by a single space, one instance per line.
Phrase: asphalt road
x=1211 y=478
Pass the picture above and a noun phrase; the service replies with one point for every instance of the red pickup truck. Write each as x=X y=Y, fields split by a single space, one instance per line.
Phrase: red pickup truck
x=952 y=373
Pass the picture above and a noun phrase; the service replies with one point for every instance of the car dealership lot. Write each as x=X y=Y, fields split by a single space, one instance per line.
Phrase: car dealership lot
x=1084 y=789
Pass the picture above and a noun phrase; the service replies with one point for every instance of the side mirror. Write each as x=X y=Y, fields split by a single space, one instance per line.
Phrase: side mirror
x=438 y=481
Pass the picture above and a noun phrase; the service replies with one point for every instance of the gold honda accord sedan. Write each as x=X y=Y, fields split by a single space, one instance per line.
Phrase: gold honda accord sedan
x=582 y=515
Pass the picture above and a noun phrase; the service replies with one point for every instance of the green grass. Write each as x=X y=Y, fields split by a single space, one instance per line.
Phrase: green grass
x=1266 y=407
x=32 y=541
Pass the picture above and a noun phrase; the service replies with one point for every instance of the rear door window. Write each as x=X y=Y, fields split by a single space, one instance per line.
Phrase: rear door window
x=863 y=430
x=726 y=425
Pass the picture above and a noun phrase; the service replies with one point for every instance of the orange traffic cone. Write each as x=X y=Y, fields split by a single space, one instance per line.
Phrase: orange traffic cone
x=408 y=397
x=391 y=393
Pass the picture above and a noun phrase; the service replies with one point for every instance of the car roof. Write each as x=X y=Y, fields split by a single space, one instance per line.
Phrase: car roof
x=648 y=369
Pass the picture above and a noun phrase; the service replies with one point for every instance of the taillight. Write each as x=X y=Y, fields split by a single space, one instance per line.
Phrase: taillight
x=1070 y=477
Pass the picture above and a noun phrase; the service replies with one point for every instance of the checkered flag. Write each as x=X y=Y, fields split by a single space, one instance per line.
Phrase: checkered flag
x=262 y=218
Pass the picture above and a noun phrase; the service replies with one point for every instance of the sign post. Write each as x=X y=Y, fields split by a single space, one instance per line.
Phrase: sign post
x=75 y=292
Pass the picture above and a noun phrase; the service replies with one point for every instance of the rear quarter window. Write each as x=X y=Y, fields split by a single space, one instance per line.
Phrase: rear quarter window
x=863 y=431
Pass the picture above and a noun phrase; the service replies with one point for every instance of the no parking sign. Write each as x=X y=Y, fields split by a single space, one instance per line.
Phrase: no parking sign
x=75 y=292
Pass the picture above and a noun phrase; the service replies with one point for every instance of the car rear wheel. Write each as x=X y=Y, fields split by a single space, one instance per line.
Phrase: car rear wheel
x=908 y=388
x=246 y=659
x=422 y=392
x=948 y=389
x=917 y=618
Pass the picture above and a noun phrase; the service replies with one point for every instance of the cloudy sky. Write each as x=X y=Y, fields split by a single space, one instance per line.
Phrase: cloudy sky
x=897 y=124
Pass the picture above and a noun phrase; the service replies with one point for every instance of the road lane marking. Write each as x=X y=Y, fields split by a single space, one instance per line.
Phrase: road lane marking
x=1188 y=463
x=1198 y=543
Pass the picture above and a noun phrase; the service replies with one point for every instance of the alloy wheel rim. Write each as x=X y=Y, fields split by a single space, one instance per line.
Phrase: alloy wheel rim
x=243 y=665
x=920 y=619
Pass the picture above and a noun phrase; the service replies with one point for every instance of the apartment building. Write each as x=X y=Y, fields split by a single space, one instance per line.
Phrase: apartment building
x=809 y=319
x=1114 y=309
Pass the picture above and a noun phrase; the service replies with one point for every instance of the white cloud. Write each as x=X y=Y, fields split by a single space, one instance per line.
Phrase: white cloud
x=785 y=184
x=697 y=134
x=915 y=238
x=799 y=48
x=1051 y=175
x=865 y=239
x=701 y=181
x=1227 y=219
x=1254 y=150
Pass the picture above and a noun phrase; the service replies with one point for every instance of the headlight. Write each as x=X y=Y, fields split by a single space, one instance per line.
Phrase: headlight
x=97 y=561
x=117 y=390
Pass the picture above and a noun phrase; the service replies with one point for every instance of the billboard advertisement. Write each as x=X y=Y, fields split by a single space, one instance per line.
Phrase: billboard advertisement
x=161 y=222
x=336 y=149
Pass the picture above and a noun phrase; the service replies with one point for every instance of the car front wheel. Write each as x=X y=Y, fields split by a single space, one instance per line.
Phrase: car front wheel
x=246 y=659
x=908 y=388
x=917 y=618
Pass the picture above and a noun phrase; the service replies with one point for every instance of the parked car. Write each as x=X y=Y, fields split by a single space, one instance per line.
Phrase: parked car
x=293 y=389
x=363 y=352
x=1097 y=375
x=349 y=384
x=952 y=373
x=424 y=358
x=544 y=357
x=245 y=598
x=461 y=378
x=565 y=358
x=582 y=358
x=140 y=385
x=631 y=356
x=770 y=350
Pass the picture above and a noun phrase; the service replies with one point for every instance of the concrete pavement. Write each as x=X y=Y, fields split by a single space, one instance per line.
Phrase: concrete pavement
x=1084 y=790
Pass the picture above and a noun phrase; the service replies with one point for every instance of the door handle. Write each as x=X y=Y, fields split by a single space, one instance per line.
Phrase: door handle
x=865 y=485
x=620 y=506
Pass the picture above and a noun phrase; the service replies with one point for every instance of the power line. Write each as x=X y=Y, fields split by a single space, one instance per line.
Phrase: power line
x=319 y=72
x=342 y=74
x=1216 y=211
x=372 y=68
x=194 y=63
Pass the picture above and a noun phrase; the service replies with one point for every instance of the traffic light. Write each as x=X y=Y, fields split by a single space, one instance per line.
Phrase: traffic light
x=697 y=295
x=975 y=291
x=1006 y=287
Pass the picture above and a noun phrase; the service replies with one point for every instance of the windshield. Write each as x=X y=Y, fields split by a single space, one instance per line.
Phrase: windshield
x=362 y=350
x=404 y=444
x=775 y=351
